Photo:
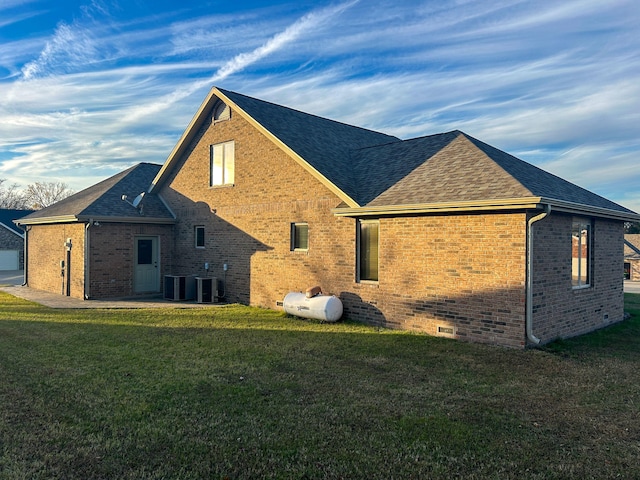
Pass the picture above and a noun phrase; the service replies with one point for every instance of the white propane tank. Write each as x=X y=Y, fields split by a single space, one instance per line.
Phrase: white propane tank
x=320 y=307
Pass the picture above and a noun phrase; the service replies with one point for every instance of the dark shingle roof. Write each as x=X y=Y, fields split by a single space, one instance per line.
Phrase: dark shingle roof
x=7 y=216
x=545 y=184
x=324 y=144
x=377 y=170
x=104 y=199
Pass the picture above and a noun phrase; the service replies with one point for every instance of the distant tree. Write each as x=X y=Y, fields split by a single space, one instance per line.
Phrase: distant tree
x=11 y=197
x=632 y=227
x=42 y=194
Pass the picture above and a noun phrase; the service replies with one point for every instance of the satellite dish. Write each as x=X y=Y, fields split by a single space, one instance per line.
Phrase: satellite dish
x=137 y=200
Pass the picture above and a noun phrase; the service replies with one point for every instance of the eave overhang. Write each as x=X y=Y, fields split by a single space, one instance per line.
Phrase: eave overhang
x=86 y=219
x=502 y=204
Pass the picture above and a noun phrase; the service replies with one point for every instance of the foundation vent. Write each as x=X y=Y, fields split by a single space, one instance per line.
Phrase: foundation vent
x=446 y=331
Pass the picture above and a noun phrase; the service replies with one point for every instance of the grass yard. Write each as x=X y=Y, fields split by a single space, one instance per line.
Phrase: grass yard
x=235 y=392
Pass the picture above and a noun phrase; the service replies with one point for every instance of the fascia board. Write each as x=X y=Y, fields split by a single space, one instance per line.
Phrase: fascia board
x=580 y=209
x=85 y=219
x=501 y=204
x=48 y=220
x=21 y=235
x=485 y=205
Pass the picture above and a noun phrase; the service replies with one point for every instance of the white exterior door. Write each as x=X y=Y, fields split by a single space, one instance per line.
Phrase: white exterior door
x=147 y=269
x=9 y=259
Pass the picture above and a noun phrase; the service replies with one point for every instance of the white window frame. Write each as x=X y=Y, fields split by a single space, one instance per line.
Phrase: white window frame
x=221 y=112
x=295 y=237
x=222 y=164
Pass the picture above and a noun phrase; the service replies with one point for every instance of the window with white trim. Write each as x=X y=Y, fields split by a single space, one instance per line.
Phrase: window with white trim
x=367 y=255
x=221 y=112
x=581 y=242
x=299 y=236
x=222 y=164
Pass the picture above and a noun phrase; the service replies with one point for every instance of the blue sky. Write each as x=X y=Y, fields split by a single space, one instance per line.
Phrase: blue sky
x=88 y=89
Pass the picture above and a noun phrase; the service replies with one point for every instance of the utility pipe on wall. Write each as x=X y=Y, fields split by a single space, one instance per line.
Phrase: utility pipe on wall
x=529 y=283
x=87 y=259
x=25 y=256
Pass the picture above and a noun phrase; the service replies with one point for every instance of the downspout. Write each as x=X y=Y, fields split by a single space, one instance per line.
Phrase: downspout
x=25 y=264
x=87 y=258
x=529 y=282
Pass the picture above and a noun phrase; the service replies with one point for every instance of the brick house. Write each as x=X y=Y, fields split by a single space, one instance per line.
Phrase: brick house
x=11 y=239
x=632 y=257
x=442 y=234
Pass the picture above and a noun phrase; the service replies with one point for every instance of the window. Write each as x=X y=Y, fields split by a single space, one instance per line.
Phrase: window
x=299 y=236
x=221 y=112
x=222 y=164
x=368 y=232
x=627 y=270
x=581 y=253
x=199 y=234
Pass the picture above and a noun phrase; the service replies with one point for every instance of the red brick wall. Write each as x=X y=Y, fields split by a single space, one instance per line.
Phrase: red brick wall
x=250 y=229
x=464 y=271
x=112 y=258
x=47 y=249
x=461 y=271
x=563 y=311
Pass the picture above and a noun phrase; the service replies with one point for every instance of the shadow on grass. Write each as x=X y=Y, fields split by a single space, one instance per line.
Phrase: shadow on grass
x=243 y=393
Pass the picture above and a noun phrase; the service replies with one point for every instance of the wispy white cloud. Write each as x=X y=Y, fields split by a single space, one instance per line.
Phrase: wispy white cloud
x=556 y=83
x=243 y=60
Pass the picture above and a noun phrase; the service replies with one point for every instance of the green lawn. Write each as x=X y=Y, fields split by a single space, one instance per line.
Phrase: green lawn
x=236 y=392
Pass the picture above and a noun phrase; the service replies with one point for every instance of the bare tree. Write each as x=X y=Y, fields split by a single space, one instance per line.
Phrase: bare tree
x=11 y=197
x=42 y=194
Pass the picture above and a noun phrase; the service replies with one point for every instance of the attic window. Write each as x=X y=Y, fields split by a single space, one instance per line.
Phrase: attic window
x=221 y=112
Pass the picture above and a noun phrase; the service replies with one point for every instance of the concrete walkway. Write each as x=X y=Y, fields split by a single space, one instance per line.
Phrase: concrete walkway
x=53 y=300
x=631 y=287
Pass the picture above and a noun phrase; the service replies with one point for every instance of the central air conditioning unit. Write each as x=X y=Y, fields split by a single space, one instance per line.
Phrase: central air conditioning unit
x=179 y=287
x=206 y=289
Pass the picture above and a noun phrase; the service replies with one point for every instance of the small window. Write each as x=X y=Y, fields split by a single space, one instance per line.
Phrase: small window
x=299 y=236
x=199 y=233
x=581 y=253
x=368 y=235
x=221 y=112
x=222 y=164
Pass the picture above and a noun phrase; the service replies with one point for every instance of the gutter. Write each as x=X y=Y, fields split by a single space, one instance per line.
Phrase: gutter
x=499 y=204
x=529 y=281
x=76 y=219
